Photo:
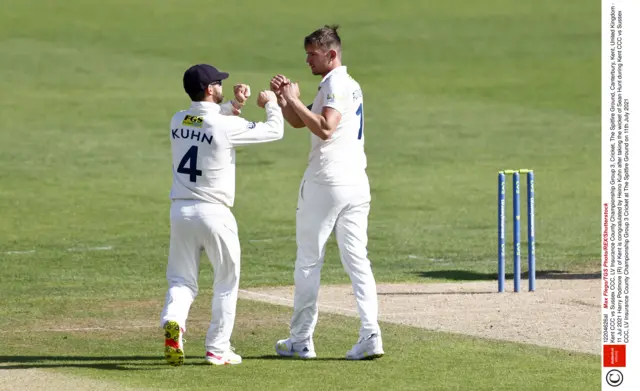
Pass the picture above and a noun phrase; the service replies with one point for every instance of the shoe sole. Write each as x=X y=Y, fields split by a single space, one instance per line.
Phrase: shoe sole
x=366 y=357
x=173 y=356
x=287 y=353
x=222 y=362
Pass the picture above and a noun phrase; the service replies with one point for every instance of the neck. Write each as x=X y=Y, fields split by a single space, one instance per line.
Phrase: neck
x=336 y=64
x=207 y=99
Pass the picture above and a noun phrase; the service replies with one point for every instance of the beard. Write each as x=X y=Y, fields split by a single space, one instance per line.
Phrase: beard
x=320 y=69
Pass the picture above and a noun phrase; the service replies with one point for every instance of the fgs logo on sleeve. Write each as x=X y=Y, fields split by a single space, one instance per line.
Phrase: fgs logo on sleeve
x=334 y=98
x=191 y=120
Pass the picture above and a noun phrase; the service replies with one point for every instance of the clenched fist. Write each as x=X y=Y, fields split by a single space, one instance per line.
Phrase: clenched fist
x=266 y=96
x=241 y=93
x=277 y=82
x=290 y=91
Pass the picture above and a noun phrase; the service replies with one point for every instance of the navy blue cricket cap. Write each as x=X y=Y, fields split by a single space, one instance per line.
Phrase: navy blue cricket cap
x=197 y=78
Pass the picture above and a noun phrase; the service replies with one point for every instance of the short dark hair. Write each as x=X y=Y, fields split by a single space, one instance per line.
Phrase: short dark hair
x=197 y=97
x=325 y=37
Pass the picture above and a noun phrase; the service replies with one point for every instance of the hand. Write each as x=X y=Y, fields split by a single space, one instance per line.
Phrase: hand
x=266 y=96
x=241 y=93
x=290 y=91
x=277 y=82
x=234 y=110
x=281 y=101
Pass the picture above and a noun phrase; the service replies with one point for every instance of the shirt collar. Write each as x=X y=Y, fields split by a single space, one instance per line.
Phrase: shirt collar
x=205 y=106
x=340 y=69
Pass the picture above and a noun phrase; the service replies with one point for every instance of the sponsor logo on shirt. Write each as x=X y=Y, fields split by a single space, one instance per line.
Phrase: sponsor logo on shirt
x=191 y=120
x=331 y=97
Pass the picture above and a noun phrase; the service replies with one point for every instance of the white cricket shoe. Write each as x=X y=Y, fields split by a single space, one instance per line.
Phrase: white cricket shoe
x=366 y=348
x=286 y=348
x=226 y=358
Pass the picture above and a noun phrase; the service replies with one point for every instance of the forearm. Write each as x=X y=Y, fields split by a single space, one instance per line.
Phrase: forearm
x=316 y=123
x=290 y=115
x=259 y=132
x=274 y=124
x=228 y=107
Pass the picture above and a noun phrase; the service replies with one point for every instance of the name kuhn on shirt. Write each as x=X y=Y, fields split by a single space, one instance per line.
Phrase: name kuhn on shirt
x=192 y=134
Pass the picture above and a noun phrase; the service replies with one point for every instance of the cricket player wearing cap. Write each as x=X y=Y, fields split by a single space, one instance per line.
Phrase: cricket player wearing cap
x=203 y=141
x=334 y=196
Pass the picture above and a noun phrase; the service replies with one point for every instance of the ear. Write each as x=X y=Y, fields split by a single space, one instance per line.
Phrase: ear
x=209 y=90
x=333 y=54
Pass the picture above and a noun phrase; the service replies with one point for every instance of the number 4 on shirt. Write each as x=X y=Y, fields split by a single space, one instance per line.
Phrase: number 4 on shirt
x=190 y=157
x=360 y=114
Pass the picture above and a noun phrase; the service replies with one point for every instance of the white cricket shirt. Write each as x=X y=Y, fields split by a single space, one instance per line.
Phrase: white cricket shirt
x=339 y=160
x=203 y=141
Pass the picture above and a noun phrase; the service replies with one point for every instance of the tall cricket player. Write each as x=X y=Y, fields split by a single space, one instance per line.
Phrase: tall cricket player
x=334 y=196
x=203 y=141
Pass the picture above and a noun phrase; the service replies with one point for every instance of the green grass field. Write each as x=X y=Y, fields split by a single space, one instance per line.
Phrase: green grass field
x=454 y=91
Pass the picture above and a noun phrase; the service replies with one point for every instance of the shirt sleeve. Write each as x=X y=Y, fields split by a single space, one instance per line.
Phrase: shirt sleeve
x=334 y=95
x=243 y=132
x=226 y=108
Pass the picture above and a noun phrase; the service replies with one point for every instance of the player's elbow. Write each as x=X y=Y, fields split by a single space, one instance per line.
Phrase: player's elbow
x=295 y=122
x=278 y=132
x=273 y=130
x=325 y=134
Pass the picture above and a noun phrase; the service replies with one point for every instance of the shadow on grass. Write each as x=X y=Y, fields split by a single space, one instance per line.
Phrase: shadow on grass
x=123 y=363
x=465 y=275
x=29 y=359
x=109 y=367
x=126 y=363
x=276 y=357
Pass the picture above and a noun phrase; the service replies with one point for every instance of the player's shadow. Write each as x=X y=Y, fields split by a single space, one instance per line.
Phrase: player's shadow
x=110 y=363
x=465 y=275
x=119 y=363
x=276 y=357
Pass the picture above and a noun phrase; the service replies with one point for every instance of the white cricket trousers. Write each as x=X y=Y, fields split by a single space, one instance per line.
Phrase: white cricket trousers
x=322 y=210
x=196 y=225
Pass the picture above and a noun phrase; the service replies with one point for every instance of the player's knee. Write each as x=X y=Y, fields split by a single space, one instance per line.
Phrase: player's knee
x=308 y=264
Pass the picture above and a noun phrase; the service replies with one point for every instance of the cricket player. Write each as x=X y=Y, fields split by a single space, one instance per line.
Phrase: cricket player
x=334 y=196
x=203 y=141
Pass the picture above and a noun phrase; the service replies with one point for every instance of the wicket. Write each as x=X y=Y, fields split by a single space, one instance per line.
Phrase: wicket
x=516 y=229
